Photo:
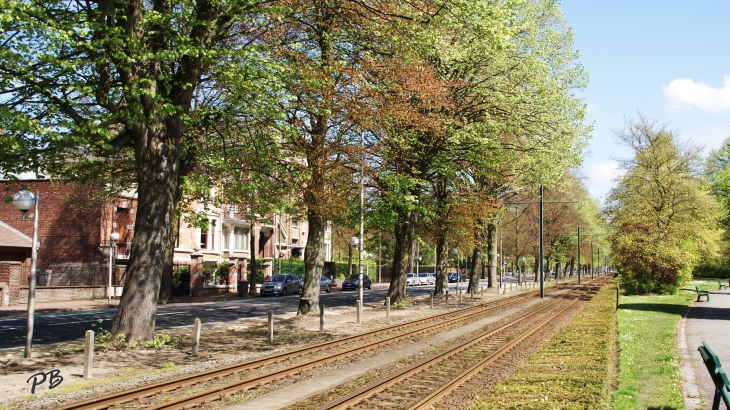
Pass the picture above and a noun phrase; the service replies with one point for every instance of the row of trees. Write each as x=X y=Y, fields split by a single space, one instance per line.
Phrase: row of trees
x=461 y=104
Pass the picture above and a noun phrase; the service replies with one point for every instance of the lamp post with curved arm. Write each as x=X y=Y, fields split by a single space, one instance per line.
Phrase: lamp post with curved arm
x=24 y=201
x=113 y=238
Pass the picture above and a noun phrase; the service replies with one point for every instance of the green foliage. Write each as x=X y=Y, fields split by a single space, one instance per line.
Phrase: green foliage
x=663 y=218
x=403 y=303
x=222 y=273
x=163 y=340
x=178 y=273
x=259 y=278
x=209 y=275
x=712 y=269
x=105 y=341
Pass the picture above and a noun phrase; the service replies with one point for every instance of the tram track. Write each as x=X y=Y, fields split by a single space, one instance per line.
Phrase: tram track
x=397 y=333
x=441 y=374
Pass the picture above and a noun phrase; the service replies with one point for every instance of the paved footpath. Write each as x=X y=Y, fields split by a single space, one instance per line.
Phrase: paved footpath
x=708 y=322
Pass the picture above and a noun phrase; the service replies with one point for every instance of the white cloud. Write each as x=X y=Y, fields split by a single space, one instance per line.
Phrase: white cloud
x=684 y=93
x=605 y=172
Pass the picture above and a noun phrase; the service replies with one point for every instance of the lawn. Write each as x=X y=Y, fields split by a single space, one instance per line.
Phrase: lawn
x=649 y=376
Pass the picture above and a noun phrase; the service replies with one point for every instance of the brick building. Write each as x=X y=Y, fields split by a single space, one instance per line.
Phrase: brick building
x=73 y=237
x=74 y=230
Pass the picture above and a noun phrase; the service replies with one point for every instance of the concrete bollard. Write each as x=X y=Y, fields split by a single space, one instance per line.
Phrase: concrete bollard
x=359 y=318
x=88 y=353
x=482 y=292
x=196 y=337
x=271 y=326
x=447 y=298
x=431 y=300
x=387 y=307
x=460 y=296
x=321 y=317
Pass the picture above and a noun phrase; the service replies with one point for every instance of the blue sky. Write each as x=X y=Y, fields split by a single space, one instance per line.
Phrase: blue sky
x=668 y=59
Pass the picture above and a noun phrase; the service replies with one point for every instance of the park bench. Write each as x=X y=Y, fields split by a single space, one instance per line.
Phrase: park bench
x=720 y=285
x=718 y=376
x=701 y=293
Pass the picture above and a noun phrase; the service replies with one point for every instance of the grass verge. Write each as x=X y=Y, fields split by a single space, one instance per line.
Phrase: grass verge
x=649 y=376
x=572 y=371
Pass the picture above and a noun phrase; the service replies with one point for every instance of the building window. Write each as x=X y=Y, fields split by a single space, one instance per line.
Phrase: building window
x=241 y=239
x=294 y=222
x=212 y=235
x=204 y=238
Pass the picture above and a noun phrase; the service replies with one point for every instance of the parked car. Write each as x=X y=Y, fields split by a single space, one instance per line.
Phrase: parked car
x=412 y=280
x=353 y=280
x=427 y=278
x=325 y=284
x=457 y=276
x=282 y=285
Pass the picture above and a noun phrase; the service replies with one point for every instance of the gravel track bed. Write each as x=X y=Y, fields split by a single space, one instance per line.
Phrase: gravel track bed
x=220 y=346
x=484 y=381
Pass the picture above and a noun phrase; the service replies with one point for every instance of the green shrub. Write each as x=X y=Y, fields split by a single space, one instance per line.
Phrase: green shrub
x=636 y=280
x=180 y=272
x=223 y=273
x=162 y=340
x=714 y=269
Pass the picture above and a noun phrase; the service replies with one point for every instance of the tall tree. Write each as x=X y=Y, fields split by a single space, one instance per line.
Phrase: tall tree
x=663 y=218
x=83 y=81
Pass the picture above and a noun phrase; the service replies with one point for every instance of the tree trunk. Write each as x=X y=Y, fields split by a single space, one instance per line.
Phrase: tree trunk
x=158 y=191
x=166 y=281
x=442 y=274
x=404 y=224
x=568 y=272
x=536 y=267
x=492 y=241
x=474 y=272
x=313 y=265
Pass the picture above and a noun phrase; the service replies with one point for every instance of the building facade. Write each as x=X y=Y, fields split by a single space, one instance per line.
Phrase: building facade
x=75 y=228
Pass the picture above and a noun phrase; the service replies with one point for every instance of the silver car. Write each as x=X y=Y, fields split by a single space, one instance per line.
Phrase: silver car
x=412 y=280
x=427 y=278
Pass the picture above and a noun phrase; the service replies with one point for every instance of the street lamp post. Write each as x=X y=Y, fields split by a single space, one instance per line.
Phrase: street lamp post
x=418 y=263
x=113 y=238
x=24 y=201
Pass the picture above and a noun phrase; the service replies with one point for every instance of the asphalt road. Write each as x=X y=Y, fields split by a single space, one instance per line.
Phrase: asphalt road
x=62 y=327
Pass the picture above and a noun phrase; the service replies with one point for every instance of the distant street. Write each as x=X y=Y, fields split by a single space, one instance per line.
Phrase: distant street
x=62 y=327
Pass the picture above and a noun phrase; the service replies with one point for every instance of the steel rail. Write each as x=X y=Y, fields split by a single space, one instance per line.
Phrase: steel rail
x=428 y=401
x=184 y=381
x=380 y=385
x=218 y=393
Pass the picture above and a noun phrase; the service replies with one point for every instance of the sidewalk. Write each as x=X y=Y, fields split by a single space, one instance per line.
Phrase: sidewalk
x=708 y=322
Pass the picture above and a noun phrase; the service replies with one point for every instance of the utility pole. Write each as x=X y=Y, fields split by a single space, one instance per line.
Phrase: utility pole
x=540 y=262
